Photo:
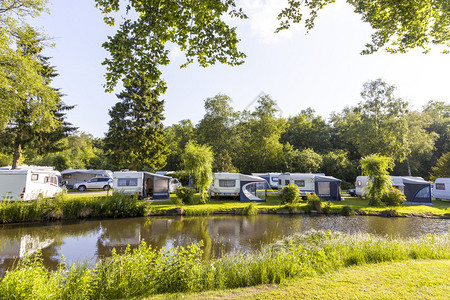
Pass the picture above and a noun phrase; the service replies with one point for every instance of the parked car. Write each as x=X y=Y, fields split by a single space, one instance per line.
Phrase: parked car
x=174 y=183
x=352 y=192
x=104 y=183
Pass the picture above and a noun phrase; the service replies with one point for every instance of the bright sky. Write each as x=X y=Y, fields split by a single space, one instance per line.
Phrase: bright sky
x=322 y=69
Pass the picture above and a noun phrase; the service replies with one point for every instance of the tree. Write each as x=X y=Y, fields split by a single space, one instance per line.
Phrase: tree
x=136 y=134
x=377 y=168
x=38 y=123
x=217 y=129
x=198 y=160
x=399 y=25
x=21 y=70
x=177 y=137
x=442 y=167
x=336 y=163
x=141 y=45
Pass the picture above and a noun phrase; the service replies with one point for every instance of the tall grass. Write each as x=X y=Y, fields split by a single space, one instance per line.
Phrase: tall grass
x=145 y=271
x=63 y=207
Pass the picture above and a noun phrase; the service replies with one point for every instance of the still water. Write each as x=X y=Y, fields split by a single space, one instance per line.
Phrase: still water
x=88 y=240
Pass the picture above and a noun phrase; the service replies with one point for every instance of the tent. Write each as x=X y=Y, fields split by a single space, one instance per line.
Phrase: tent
x=327 y=187
x=72 y=176
x=417 y=191
x=253 y=188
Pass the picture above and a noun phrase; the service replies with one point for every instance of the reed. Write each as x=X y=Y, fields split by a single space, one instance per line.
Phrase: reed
x=145 y=271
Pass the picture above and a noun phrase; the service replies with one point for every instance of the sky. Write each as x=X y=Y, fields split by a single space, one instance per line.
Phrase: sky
x=322 y=69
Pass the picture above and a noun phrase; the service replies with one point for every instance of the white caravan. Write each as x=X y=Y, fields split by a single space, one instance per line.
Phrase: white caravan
x=225 y=185
x=397 y=182
x=441 y=188
x=29 y=183
x=304 y=181
x=143 y=184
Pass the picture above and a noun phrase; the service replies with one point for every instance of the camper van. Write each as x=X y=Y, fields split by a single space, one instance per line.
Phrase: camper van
x=143 y=184
x=29 y=183
x=304 y=181
x=441 y=188
x=245 y=187
x=271 y=178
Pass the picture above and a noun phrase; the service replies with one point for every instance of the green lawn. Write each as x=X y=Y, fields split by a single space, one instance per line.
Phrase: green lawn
x=422 y=279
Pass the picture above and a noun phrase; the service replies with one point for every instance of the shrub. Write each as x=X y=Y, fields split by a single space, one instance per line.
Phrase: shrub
x=314 y=203
x=327 y=208
x=289 y=194
x=347 y=211
x=185 y=195
x=204 y=197
x=250 y=210
x=393 y=197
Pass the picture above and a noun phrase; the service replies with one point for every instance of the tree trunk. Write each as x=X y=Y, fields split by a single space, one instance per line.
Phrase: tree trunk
x=409 y=167
x=16 y=156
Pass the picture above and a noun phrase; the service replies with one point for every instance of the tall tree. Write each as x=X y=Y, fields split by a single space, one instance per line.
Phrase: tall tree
x=38 y=123
x=136 y=134
x=399 y=25
x=217 y=129
x=442 y=167
x=142 y=42
x=177 y=137
x=20 y=69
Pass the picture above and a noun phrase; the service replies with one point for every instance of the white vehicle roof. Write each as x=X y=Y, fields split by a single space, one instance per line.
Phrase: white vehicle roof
x=137 y=173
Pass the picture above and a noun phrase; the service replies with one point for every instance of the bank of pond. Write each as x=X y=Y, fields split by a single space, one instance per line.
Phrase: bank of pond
x=145 y=271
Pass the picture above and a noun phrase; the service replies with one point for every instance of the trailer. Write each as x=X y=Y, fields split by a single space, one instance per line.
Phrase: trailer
x=441 y=188
x=143 y=184
x=304 y=181
x=248 y=188
x=29 y=183
x=362 y=182
x=271 y=178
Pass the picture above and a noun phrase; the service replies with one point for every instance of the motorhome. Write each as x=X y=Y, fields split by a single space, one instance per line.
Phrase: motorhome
x=143 y=184
x=304 y=181
x=271 y=178
x=29 y=183
x=441 y=188
x=245 y=187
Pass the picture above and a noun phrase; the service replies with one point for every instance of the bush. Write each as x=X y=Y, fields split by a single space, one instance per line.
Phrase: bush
x=204 y=197
x=347 y=211
x=250 y=210
x=289 y=194
x=393 y=197
x=185 y=195
x=314 y=203
x=327 y=208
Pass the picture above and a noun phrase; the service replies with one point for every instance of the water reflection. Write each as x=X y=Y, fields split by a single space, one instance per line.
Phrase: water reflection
x=89 y=240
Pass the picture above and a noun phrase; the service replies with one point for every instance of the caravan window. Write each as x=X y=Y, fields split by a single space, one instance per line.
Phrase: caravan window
x=34 y=177
x=358 y=183
x=300 y=183
x=127 y=182
x=50 y=179
x=286 y=182
x=227 y=183
x=67 y=176
x=440 y=186
x=275 y=179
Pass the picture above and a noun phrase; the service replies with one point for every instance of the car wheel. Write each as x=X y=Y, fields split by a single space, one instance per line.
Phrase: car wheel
x=106 y=188
x=82 y=188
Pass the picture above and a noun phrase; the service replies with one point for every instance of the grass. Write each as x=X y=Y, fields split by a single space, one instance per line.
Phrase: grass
x=421 y=279
x=144 y=272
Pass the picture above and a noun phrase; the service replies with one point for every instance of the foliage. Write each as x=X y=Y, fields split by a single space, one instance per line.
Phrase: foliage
x=377 y=168
x=177 y=137
x=442 y=168
x=399 y=25
x=185 y=195
x=314 y=203
x=393 y=197
x=347 y=211
x=141 y=45
x=289 y=194
x=198 y=160
x=136 y=134
x=250 y=210
x=144 y=271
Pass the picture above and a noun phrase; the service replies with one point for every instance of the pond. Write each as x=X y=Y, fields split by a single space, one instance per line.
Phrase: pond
x=88 y=240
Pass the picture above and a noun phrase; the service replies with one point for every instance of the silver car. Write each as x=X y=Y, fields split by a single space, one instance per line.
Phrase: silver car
x=104 y=183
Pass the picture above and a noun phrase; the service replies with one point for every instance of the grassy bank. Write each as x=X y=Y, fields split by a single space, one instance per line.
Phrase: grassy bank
x=100 y=205
x=144 y=272
x=420 y=279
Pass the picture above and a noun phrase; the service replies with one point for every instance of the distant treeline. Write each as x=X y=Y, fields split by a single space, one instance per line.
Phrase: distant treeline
x=262 y=141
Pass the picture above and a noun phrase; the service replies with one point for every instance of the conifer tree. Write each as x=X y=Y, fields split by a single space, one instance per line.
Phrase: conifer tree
x=136 y=135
